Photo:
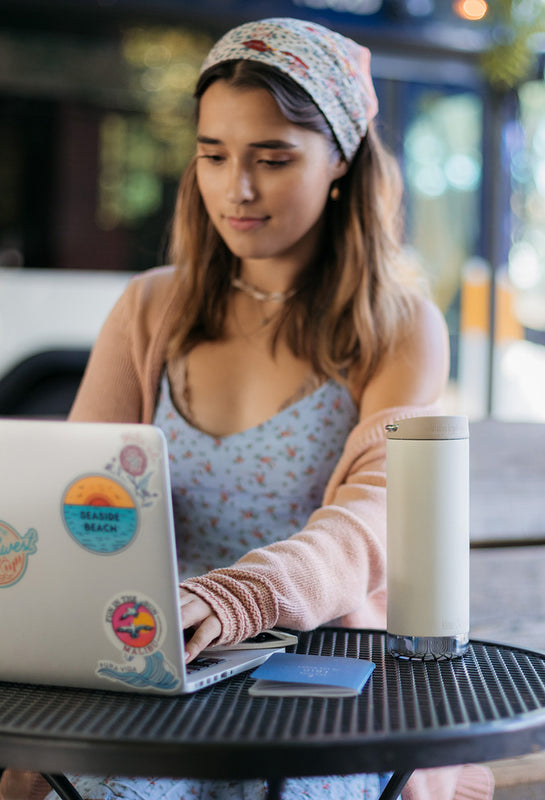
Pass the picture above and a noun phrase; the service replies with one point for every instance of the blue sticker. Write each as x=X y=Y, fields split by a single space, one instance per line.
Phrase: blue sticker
x=100 y=514
x=155 y=673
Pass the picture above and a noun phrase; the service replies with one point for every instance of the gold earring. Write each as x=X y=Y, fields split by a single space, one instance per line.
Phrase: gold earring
x=335 y=192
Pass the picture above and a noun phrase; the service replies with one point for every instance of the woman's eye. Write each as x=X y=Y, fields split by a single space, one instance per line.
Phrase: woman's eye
x=270 y=162
x=214 y=159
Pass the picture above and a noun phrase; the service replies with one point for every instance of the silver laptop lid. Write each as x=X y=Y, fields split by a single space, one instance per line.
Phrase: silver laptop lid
x=88 y=575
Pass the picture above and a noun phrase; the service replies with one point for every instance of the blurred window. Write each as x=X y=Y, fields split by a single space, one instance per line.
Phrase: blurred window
x=519 y=363
x=96 y=129
x=443 y=171
x=442 y=145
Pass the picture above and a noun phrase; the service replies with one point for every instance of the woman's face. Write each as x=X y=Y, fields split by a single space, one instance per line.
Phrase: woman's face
x=264 y=181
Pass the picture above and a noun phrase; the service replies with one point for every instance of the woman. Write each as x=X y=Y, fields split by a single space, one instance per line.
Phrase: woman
x=288 y=333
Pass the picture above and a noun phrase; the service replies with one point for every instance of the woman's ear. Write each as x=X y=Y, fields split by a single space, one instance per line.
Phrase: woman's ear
x=340 y=168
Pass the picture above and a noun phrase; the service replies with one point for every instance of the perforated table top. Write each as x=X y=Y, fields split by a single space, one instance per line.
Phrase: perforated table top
x=489 y=704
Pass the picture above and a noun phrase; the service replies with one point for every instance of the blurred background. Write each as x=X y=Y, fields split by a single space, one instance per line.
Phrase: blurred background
x=96 y=127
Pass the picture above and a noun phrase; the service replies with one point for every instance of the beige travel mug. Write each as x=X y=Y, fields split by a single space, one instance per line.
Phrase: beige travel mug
x=427 y=490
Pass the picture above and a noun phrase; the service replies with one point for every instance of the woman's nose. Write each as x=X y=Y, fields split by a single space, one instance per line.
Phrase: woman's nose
x=241 y=187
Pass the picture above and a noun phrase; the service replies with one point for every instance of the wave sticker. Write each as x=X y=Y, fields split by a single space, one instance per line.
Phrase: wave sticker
x=155 y=673
x=15 y=551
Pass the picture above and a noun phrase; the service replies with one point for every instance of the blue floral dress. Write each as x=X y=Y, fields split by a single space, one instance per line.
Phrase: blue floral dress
x=250 y=489
x=231 y=494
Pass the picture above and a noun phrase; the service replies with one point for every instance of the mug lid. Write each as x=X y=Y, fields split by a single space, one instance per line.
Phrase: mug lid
x=440 y=427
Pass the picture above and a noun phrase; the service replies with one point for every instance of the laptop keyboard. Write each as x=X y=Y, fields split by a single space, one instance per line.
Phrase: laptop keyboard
x=202 y=663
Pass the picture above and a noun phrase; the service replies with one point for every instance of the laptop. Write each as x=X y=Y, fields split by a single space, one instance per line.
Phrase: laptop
x=88 y=568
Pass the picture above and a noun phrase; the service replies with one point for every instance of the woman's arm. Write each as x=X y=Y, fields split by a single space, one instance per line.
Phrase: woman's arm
x=336 y=565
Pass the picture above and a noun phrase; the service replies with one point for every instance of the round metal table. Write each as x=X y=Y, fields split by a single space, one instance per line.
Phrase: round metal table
x=489 y=704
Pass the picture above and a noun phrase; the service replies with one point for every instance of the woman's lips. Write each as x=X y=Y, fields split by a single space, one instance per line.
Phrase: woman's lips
x=246 y=223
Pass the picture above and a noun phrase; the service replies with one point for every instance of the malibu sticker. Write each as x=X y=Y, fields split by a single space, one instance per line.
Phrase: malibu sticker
x=100 y=514
x=135 y=626
x=15 y=551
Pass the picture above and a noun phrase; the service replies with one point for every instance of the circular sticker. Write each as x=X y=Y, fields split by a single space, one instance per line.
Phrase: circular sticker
x=14 y=553
x=134 y=624
x=133 y=460
x=100 y=514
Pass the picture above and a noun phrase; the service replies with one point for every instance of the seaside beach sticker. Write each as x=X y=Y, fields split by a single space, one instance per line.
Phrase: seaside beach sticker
x=135 y=625
x=100 y=514
x=15 y=551
x=102 y=510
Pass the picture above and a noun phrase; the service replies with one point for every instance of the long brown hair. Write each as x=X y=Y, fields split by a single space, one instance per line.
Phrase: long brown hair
x=352 y=302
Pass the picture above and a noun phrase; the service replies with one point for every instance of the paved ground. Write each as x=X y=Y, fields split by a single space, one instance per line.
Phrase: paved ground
x=508 y=595
x=508 y=605
x=508 y=583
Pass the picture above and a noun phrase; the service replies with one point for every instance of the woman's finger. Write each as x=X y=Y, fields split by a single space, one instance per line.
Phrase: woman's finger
x=198 y=616
x=194 y=610
x=204 y=635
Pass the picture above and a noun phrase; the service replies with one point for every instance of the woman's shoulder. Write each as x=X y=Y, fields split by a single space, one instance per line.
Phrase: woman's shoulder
x=415 y=369
x=148 y=304
x=421 y=350
x=150 y=292
x=154 y=282
x=426 y=325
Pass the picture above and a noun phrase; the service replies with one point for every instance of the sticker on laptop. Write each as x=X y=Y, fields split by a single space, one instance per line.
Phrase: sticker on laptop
x=134 y=466
x=101 y=510
x=136 y=627
x=100 y=514
x=15 y=551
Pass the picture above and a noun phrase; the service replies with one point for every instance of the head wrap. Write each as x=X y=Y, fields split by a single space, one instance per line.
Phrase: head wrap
x=333 y=70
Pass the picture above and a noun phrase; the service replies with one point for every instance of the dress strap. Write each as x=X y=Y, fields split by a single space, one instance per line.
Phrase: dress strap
x=309 y=385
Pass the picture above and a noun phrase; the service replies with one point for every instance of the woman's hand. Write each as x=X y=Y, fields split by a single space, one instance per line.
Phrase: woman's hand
x=198 y=615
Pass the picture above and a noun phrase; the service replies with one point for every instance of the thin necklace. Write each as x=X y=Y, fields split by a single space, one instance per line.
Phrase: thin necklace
x=259 y=294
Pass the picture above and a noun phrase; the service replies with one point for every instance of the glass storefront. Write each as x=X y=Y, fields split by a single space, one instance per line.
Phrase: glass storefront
x=443 y=174
x=96 y=131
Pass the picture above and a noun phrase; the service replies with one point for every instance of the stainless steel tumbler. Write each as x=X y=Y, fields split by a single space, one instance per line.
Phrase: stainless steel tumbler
x=427 y=479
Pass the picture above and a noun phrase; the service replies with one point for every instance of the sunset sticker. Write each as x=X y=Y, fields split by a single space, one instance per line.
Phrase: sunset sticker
x=135 y=625
x=100 y=514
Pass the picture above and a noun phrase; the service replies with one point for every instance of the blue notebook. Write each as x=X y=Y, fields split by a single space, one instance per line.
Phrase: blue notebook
x=291 y=674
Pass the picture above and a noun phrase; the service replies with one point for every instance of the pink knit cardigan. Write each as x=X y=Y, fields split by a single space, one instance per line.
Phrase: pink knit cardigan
x=332 y=570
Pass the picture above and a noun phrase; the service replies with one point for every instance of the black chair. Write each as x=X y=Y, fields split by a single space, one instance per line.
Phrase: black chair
x=43 y=385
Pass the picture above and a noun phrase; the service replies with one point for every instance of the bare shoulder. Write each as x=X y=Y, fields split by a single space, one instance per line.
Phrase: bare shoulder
x=415 y=371
x=426 y=334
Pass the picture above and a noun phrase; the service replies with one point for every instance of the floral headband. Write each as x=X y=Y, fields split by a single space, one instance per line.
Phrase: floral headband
x=334 y=70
